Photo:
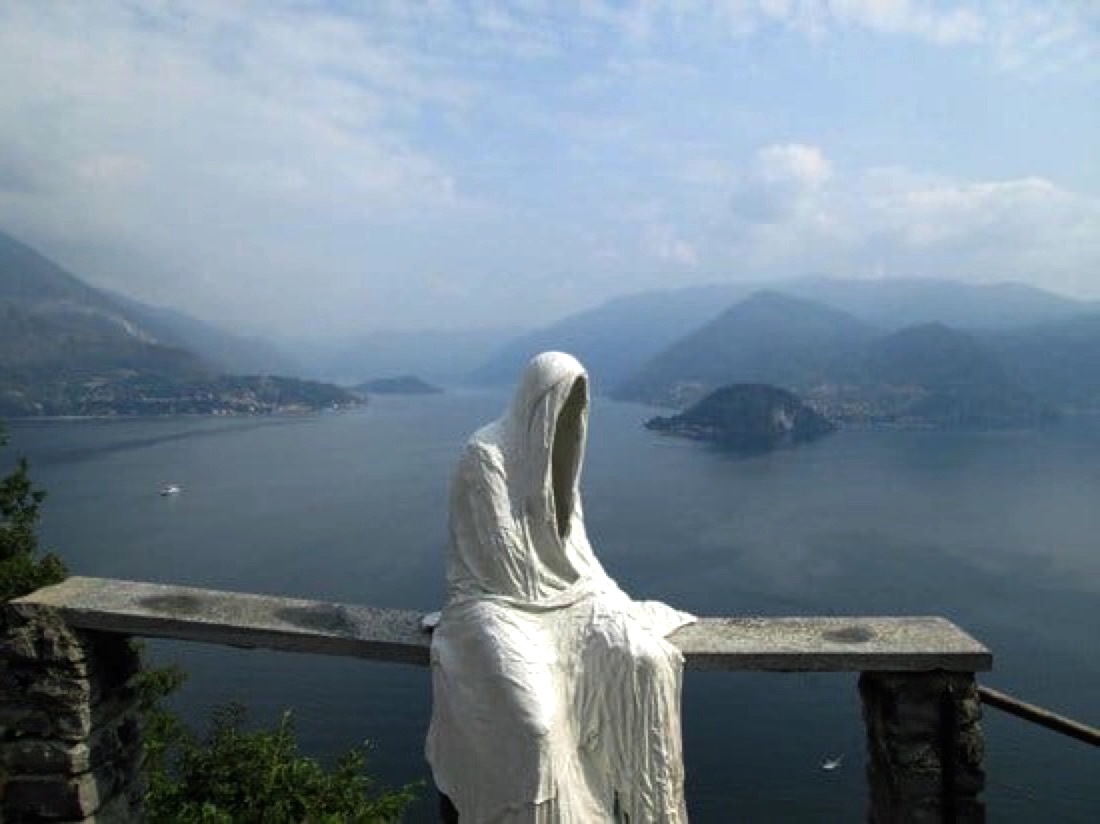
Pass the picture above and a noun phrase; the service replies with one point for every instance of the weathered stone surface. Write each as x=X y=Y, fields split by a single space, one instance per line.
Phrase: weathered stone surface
x=42 y=755
x=38 y=755
x=69 y=729
x=925 y=745
x=785 y=644
x=29 y=633
x=49 y=797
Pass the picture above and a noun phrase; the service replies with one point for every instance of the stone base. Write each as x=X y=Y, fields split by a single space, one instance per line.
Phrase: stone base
x=925 y=747
x=70 y=737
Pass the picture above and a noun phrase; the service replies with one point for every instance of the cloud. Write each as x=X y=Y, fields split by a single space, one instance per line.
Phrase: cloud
x=794 y=216
x=778 y=182
x=664 y=242
x=1056 y=34
x=945 y=27
x=640 y=22
x=221 y=138
x=1036 y=39
x=795 y=163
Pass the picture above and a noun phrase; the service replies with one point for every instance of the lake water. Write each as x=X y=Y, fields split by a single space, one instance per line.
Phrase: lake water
x=998 y=532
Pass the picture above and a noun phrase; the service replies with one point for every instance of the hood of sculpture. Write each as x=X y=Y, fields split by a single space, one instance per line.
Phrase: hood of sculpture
x=546 y=429
x=517 y=524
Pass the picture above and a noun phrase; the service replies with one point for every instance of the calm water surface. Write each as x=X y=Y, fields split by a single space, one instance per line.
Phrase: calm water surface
x=998 y=532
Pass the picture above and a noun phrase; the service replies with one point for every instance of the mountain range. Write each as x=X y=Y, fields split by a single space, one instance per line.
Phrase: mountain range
x=617 y=338
x=613 y=339
x=859 y=351
x=909 y=351
x=766 y=338
x=67 y=348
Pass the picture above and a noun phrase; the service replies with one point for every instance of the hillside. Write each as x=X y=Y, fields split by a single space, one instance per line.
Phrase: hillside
x=929 y=375
x=231 y=352
x=69 y=349
x=1059 y=361
x=766 y=338
x=56 y=331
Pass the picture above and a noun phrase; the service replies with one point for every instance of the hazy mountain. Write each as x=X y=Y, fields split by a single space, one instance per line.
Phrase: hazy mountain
x=234 y=353
x=932 y=355
x=895 y=303
x=922 y=375
x=767 y=338
x=615 y=338
x=934 y=375
x=53 y=322
x=45 y=306
x=1057 y=360
x=440 y=356
x=67 y=348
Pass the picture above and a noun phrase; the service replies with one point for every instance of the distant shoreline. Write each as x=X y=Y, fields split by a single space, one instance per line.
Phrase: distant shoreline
x=288 y=415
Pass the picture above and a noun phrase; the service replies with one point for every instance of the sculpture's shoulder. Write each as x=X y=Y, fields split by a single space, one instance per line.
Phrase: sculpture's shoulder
x=482 y=456
x=484 y=446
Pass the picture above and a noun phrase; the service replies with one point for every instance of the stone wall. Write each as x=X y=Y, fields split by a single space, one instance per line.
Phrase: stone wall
x=925 y=747
x=70 y=744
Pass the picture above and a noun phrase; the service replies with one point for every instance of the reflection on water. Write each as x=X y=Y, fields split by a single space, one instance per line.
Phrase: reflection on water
x=996 y=532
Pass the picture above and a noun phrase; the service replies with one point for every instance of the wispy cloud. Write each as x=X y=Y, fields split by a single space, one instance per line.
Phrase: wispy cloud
x=886 y=221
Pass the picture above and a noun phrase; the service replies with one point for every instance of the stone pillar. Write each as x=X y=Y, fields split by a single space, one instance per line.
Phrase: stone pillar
x=70 y=744
x=925 y=747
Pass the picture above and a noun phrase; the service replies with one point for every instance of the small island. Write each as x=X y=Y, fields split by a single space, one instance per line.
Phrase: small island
x=749 y=417
x=400 y=385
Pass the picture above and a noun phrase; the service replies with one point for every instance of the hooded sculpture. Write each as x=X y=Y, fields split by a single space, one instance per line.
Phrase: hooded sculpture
x=555 y=696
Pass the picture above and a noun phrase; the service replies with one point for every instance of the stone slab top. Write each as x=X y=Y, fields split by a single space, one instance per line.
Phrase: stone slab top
x=795 y=644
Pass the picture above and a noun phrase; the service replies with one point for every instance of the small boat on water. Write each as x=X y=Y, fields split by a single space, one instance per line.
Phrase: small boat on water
x=830 y=764
x=170 y=489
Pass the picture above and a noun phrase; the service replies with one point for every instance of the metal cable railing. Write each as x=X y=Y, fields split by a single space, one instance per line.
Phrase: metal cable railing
x=1040 y=716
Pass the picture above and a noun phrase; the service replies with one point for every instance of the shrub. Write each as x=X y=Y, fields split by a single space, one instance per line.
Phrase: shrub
x=22 y=569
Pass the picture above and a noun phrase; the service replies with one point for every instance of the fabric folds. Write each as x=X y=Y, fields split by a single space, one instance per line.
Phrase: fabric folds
x=556 y=698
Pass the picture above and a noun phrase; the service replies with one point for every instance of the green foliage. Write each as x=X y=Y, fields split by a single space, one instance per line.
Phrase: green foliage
x=239 y=775
x=22 y=569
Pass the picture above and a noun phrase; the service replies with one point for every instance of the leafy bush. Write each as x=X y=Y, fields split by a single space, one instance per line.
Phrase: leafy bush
x=22 y=570
x=239 y=775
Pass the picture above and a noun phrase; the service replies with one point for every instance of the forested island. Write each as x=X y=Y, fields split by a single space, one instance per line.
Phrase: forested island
x=748 y=418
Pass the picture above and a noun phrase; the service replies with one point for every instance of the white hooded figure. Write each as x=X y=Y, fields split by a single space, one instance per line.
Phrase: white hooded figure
x=556 y=698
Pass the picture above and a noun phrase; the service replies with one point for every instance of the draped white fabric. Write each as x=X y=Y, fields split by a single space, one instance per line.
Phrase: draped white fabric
x=555 y=696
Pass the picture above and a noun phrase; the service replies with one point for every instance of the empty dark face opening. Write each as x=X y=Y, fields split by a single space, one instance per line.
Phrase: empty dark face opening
x=566 y=453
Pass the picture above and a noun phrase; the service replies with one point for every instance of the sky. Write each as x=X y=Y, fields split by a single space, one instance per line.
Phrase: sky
x=322 y=169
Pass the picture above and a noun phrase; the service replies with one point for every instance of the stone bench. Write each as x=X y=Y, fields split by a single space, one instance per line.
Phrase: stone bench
x=64 y=652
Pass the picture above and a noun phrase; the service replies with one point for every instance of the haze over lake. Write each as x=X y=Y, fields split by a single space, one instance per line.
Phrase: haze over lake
x=998 y=532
